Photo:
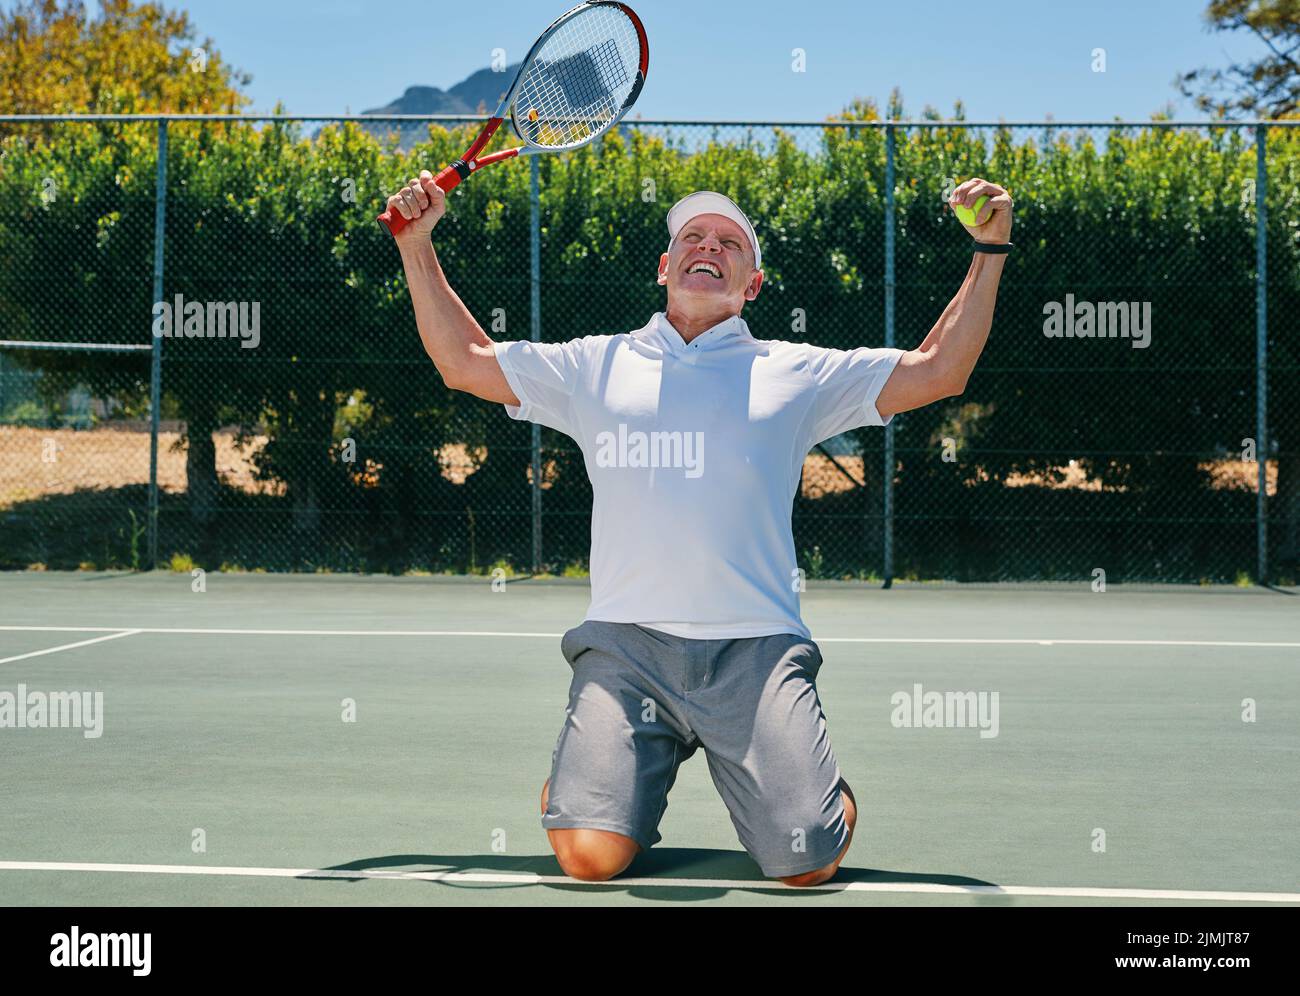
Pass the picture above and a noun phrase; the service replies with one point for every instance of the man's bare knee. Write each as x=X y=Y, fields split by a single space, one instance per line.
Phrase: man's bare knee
x=592 y=855
x=808 y=879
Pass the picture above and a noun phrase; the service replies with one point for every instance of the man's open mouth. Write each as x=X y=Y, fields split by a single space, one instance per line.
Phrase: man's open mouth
x=712 y=269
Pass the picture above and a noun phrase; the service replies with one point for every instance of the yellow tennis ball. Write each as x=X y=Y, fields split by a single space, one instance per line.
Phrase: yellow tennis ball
x=967 y=215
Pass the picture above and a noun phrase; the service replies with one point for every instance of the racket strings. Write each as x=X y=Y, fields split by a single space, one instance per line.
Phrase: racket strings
x=577 y=83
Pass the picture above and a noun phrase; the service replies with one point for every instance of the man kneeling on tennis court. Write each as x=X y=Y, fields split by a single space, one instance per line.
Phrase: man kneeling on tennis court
x=694 y=434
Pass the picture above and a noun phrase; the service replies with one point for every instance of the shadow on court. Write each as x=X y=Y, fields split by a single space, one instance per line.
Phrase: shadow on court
x=671 y=863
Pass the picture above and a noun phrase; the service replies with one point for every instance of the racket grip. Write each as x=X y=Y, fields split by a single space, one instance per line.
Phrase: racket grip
x=393 y=222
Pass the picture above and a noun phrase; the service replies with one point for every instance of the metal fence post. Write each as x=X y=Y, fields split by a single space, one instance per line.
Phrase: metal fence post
x=155 y=362
x=1261 y=352
x=535 y=296
x=888 y=523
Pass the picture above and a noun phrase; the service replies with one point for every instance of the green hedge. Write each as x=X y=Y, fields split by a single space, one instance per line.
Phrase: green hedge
x=1145 y=214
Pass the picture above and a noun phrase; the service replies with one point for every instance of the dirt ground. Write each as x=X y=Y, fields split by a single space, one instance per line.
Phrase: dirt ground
x=39 y=462
x=61 y=461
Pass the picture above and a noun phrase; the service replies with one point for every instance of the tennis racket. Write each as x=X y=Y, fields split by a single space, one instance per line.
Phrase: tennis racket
x=577 y=81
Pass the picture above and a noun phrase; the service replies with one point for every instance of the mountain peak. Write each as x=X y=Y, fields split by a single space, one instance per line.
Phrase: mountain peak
x=479 y=93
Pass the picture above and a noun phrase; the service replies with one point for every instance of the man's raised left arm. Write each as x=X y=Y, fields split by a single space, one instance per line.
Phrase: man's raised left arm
x=941 y=365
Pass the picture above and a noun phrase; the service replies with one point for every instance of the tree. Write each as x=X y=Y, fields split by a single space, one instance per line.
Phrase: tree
x=132 y=59
x=55 y=58
x=1267 y=88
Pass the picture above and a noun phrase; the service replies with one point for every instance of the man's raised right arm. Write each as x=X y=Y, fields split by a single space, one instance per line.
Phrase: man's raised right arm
x=456 y=343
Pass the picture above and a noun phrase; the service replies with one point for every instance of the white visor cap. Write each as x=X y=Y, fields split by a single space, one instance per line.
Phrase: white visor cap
x=711 y=202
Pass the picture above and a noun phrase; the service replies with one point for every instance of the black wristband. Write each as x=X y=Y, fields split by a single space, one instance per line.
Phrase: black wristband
x=997 y=248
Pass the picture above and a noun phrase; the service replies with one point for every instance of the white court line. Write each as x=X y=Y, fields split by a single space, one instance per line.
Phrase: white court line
x=212 y=631
x=70 y=646
x=1041 y=642
x=529 y=878
x=1054 y=642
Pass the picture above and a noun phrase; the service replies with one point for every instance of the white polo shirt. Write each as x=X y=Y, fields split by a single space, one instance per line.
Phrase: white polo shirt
x=694 y=453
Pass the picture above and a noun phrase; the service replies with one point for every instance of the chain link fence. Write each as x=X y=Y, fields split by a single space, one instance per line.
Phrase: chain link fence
x=209 y=357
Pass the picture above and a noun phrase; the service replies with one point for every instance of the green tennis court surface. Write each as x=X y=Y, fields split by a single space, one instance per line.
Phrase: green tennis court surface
x=223 y=722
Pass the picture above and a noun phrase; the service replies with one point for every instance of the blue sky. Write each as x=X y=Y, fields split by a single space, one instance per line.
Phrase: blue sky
x=1009 y=59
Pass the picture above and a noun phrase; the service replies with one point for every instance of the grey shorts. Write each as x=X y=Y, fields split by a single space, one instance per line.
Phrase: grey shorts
x=642 y=702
